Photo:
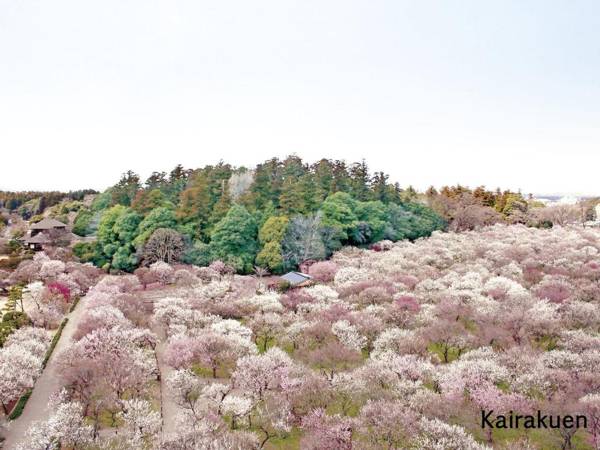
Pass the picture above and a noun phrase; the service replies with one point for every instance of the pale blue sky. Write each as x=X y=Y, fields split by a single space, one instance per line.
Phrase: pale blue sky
x=434 y=92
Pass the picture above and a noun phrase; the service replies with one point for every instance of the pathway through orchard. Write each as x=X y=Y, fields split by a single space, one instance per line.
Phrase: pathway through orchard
x=47 y=384
x=168 y=408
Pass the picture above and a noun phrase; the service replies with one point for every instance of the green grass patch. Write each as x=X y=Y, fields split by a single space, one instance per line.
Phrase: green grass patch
x=206 y=372
x=343 y=406
x=264 y=346
x=291 y=441
x=438 y=349
x=547 y=343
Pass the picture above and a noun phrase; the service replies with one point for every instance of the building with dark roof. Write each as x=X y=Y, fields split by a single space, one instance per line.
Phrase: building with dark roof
x=46 y=232
x=296 y=278
x=47 y=224
x=38 y=241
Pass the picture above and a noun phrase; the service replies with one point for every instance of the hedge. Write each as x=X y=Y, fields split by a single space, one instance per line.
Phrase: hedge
x=20 y=406
x=74 y=304
x=54 y=342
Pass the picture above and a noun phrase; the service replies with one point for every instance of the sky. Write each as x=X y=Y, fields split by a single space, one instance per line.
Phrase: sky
x=501 y=93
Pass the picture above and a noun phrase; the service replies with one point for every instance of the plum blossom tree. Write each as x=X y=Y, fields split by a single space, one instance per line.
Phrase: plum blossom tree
x=265 y=327
x=438 y=435
x=324 y=432
x=21 y=362
x=162 y=272
x=257 y=374
x=348 y=335
x=107 y=363
x=590 y=404
x=323 y=271
x=66 y=428
x=208 y=348
x=386 y=424
x=142 y=423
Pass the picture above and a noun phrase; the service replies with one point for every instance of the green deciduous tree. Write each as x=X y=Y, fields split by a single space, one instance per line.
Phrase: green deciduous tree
x=81 y=226
x=339 y=213
x=270 y=237
x=117 y=229
x=162 y=217
x=233 y=239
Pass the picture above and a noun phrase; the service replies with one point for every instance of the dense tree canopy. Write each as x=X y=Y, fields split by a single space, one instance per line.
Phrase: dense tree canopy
x=234 y=239
x=274 y=216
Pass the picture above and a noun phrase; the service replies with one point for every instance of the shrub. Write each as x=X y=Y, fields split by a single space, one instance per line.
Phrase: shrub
x=55 y=340
x=20 y=406
x=323 y=271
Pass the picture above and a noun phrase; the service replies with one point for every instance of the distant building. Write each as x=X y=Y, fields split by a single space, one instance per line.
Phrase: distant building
x=46 y=232
x=47 y=224
x=37 y=242
x=297 y=279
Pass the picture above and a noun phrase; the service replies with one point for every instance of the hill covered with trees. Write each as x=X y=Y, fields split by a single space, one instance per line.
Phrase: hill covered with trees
x=274 y=216
x=29 y=203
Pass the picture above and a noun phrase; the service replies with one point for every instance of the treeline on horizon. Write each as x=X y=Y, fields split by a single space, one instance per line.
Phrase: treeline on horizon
x=274 y=216
x=30 y=203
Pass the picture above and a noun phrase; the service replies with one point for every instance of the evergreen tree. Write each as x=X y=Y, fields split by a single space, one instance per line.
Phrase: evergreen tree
x=270 y=237
x=157 y=180
x=221 y=207
x=157 y=218
x=116 y=232
x=323 y=177
x=195 y=205
x=360 y=181
x=234 y=239
x=145 y=201
x=15 y=298
x=266 y=186
x=291 y=200
x=341 y=178
x=124 y=191
x=339 y=213
x=380 y=187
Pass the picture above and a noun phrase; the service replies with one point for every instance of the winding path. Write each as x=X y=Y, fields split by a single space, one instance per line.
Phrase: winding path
x=47 y=384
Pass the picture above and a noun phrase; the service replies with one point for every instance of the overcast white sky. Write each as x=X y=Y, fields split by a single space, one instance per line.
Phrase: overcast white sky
x=503 y=93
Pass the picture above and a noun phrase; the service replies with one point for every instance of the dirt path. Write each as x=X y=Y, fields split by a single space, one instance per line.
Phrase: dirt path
x=45 y=386
x=169 y=408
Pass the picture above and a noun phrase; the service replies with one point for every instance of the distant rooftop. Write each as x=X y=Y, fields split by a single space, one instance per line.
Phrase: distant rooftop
x=47 y=224
x=296 y=277
x=39 y=238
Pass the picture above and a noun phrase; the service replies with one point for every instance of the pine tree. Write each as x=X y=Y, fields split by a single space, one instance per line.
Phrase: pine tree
x=379 y=187
x=323 y=177
x=341 y=178
x=291 y=200
x=15 y=298
x=124 y=191
x=359 y=181
x=221 y=207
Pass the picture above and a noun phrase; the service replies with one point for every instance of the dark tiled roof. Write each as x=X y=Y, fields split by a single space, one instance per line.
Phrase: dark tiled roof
x=296 y=277
x=47 y=224
x=39 y=238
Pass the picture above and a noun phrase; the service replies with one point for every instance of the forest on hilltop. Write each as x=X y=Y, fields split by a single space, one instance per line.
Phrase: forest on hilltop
x=274 y=216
